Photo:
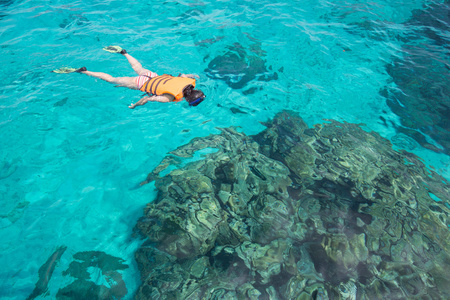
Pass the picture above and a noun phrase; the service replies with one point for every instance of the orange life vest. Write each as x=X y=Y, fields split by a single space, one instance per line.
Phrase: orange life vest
x=166 y=84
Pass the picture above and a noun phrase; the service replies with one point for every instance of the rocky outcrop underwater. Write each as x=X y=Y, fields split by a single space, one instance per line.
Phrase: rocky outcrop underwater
x=329 y=212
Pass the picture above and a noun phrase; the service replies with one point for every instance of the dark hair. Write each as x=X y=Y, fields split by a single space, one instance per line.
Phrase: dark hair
x=192 y=95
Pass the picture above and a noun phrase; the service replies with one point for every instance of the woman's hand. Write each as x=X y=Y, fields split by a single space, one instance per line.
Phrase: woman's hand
x=140 y=102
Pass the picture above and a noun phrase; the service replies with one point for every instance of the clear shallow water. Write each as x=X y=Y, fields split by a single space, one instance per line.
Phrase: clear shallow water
x=72 y=152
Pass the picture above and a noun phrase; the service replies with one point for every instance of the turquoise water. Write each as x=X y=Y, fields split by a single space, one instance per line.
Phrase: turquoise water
x=72 y=153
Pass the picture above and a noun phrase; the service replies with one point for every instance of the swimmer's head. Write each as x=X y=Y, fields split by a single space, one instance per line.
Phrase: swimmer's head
x=194 y=97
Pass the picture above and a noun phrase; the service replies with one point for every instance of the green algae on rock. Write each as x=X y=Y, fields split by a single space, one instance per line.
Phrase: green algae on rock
x=295 y=213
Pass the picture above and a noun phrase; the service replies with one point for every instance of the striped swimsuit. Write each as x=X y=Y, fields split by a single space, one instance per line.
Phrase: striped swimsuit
x=140 y=80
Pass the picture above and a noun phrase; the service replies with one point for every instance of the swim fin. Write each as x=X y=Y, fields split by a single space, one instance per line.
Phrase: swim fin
x=67 y=70
x=115 y=49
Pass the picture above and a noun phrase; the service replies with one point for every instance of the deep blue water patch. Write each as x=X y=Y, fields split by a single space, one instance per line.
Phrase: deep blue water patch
x=422 y=78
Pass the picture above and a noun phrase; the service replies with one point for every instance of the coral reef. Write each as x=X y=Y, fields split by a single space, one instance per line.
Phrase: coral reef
x=295 y=213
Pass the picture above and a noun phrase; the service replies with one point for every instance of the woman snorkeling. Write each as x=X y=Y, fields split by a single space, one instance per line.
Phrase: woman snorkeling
x=164 y=88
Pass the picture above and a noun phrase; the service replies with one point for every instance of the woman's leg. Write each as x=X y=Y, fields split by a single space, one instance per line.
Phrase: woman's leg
x=137 y=67
x=128 y=82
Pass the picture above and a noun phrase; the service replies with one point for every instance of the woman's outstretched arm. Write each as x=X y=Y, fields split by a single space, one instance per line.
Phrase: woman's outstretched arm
x=162 y=98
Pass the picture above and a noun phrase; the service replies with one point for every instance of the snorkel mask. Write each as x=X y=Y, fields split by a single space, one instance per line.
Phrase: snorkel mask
x=196 y=101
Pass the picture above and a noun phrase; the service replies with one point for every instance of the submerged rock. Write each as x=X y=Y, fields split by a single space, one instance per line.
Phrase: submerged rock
x=46 y=272
x=96 y=276
x=295 y=212
x=237 y=66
